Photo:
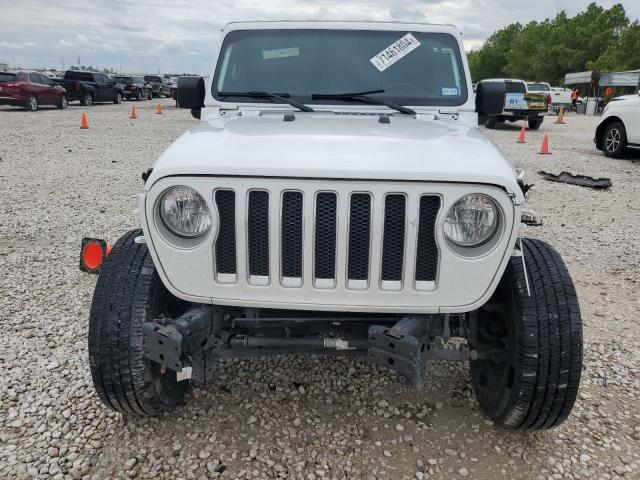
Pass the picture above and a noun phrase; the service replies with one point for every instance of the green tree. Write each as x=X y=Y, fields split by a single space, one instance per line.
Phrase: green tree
x=492 y=58
x=547 y=50
x=623 y=54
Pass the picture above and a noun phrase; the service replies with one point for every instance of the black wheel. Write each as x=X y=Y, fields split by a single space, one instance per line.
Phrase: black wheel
x=614 y=140
x=63 y=103
x=150 y=95
x=138 y=95
x=529 y=346
x=534 y=123
x=31 y=104
x=118 y=98
x=128 y=293
x=86 y=100
x=491 y=122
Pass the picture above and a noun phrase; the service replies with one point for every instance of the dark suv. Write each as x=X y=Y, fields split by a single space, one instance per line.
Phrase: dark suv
x=157 y=85
x=134 y=87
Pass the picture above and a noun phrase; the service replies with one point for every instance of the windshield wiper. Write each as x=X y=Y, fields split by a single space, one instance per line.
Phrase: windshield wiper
x=363 y=97
x=282 y=97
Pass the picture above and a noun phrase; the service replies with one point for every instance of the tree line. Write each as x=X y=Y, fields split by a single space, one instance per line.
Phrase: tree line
x=599 y=39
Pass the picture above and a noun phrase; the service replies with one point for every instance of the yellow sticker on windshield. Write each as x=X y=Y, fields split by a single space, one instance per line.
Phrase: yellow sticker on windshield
x=395 y=52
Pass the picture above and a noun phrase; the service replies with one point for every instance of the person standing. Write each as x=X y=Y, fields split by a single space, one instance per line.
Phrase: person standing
x=574 y=99
x=608 y=94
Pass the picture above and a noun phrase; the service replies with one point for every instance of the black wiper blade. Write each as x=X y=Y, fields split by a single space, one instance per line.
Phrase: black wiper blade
x=363 y=97
x=282 y=97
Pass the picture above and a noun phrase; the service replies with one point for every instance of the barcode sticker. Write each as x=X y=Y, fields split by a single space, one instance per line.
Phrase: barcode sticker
x=395 y=52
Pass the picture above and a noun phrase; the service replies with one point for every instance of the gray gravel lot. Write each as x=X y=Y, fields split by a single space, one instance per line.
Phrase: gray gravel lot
x=297 y=417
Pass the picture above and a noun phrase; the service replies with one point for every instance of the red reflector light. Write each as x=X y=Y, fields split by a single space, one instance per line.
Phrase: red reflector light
x=92 y=254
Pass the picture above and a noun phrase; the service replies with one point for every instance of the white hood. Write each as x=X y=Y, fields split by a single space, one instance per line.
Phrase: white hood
x=341 y=146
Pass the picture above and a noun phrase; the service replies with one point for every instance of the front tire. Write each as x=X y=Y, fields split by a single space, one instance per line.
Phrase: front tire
x=138 y=95
x=491 y=122
x=529 y=346
x=118 y=98
x=63 y=103
x=614 y=140
x=128 y=293
x=31 y=104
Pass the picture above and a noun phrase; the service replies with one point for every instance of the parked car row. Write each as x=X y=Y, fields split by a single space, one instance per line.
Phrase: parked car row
x=31 y=90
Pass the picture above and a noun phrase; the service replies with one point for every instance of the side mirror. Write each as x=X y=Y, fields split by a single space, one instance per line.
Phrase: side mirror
x=191 y=94
x=490 y=98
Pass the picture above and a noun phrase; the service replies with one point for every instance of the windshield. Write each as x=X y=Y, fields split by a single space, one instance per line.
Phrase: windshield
x=151 y=78
x=538 y=87
x=123 y=80
x=412 y=68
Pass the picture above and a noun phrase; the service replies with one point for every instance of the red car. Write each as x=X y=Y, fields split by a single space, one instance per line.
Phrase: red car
x=30 y=90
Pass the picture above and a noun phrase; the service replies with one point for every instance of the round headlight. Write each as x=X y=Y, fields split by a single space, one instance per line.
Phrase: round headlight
x=184 y=212
x=472 y=220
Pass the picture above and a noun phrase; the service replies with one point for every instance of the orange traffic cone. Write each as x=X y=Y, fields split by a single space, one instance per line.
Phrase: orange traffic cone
x=544 y=148
x=521 y=136
x=560 y=119
x=158 y=110
x=133 y=115
x=83 y=121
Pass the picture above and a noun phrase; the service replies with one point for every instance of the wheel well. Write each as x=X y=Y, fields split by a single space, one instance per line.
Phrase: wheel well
x=603 y=126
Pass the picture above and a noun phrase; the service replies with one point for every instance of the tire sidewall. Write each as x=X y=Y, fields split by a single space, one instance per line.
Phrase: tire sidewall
x=64 y=103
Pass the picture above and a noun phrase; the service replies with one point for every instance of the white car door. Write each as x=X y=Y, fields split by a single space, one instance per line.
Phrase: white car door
x=633 y=127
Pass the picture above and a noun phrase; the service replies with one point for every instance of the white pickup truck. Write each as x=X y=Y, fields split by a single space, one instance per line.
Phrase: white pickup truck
x=336 y=197
x=559 y=97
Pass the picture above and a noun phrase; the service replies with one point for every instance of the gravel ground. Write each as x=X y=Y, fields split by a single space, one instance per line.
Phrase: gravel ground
x=296 y=417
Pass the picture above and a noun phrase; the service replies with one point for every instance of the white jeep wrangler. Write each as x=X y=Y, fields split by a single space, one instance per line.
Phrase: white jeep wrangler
x=335 y=198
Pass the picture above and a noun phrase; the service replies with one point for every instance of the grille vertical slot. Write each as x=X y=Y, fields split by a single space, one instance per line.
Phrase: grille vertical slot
x=393 y=247
x=258 y=233
x=225 y=248
x=325 y=236
x=359 y=237
x=291 y=234
x=426 y=249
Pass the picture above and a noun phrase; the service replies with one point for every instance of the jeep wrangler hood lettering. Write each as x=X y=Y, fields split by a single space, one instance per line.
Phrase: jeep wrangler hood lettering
x=337 y=146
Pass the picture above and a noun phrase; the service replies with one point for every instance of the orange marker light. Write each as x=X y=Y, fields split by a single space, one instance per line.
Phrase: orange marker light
x=92 y=254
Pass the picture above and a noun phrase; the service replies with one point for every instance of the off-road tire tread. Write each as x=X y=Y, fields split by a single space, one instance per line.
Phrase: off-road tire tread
x=126 y=293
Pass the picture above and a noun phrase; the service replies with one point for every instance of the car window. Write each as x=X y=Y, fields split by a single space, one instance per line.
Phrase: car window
x=538 y=87
x=151 y=78
x=514 y=87
x=74 y=75
x=8 y=77
x=413 y=68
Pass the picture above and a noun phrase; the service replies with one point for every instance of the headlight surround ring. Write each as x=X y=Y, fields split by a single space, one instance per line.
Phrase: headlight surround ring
x=184 y=212
x=472 y=221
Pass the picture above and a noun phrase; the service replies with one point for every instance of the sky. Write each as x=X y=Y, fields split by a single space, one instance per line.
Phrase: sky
x=179 y=36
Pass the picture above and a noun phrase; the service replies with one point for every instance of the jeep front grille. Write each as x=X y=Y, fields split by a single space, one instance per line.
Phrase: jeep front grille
x=367 y=233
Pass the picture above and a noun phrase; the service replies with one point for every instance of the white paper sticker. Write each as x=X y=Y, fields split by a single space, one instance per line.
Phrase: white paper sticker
x=184 y=374
x=280 y=53
x=395 y=52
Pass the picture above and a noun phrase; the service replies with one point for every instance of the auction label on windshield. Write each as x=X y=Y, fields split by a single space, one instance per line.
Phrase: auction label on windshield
x=395 y=52
x=280 y=53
